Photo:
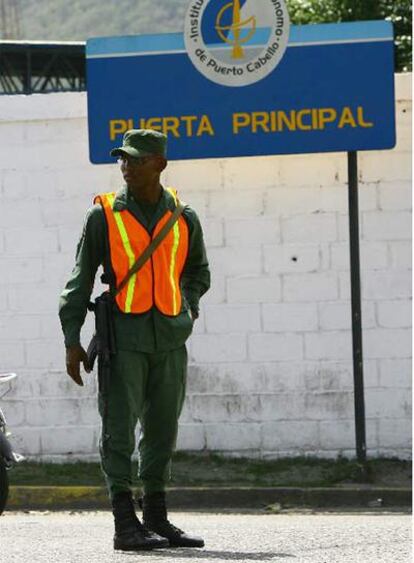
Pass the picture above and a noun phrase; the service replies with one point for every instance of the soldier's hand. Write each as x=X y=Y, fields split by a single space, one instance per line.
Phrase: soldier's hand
x=74 y=356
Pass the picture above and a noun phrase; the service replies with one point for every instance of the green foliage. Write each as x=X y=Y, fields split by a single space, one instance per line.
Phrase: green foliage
x=399 y=12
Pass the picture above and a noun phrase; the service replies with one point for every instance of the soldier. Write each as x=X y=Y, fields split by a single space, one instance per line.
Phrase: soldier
x=153 y=316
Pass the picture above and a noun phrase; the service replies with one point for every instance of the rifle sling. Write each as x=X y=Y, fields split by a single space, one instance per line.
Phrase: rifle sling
x=146 y=254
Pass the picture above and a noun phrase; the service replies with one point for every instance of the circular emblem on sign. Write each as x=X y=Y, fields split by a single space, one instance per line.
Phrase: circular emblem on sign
x=236 y=42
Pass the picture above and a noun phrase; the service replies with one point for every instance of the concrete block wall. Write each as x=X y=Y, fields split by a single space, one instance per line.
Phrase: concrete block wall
x=270 y=369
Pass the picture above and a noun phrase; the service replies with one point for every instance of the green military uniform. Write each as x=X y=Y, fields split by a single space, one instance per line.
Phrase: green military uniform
x=148 y=372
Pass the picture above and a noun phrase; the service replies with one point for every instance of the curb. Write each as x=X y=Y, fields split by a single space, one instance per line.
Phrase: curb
x=196 y=498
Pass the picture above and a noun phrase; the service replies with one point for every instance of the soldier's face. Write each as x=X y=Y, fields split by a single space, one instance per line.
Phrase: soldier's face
x=139 y=172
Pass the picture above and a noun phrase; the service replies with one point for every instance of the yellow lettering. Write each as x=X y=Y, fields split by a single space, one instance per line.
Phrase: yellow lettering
x=361 y=122
x=117 y=127
x=273 y=121
x=205 y=126
x=326 y=115
x=260 y=119
x=171 y=125
x=189 y=120
x=299 y=119
x=288 y=121
x=315 y=119
x=347 y=118
x=240 y=120
x=154 y=123
x=142 y=123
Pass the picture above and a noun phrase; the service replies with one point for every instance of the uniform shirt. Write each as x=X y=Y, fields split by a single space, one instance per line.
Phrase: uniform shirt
x=147 y=332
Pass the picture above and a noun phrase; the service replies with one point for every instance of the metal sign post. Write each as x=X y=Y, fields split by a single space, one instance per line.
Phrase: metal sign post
x=356 y=308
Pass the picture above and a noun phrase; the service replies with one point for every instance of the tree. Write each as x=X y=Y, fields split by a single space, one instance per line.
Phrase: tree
x=399 y=12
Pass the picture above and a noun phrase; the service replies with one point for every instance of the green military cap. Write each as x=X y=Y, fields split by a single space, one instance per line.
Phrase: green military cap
x=142 y=142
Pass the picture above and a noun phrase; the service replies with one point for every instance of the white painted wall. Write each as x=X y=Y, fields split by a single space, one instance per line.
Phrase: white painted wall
x=271 y=357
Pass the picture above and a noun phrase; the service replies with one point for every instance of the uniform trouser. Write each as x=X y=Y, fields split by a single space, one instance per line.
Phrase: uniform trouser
x=148 y=388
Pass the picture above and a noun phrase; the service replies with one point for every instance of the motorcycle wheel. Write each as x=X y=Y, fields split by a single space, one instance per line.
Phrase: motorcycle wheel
x=4 y=486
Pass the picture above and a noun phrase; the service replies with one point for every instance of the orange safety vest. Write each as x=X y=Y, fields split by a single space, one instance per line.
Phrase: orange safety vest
x=158 y=281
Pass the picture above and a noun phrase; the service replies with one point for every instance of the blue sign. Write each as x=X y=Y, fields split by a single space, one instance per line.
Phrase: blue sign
x=333 y=90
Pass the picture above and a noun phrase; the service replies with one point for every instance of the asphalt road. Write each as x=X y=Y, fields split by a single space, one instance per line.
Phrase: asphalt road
x=298 y=537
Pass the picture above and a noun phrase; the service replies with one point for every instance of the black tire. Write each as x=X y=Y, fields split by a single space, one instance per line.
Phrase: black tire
x=4 y=486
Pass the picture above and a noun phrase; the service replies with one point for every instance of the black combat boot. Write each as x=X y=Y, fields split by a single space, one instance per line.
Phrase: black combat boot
x=130 y=534
x=155 y=519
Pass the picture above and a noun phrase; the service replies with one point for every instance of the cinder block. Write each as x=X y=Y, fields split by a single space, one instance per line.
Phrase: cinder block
x=279 y=347
x=254 y=290
x=232 y=318
x=314 y=228
x=333 y=345
x=290 y=434
x=12 y=353
x=386 y=225
x=310 y=287
x=385 y=166
x=341 y=434
x=217 y=291
x=31 y=242
x=282 y=201
x=335 y=198
x=26 y=440
x=282 y=406
x=314 y=170
x=88 y=411
x=44 y=353
x=232 y=437
x=387 y=343
x=373 y=255
x=278 y=377
x=191 y=438
x=286 y=258
x=391 y=284
x=225 y=408
x=240 y=174
x=395 y=373
x=219 y=348
x=395 y=433
x=12 y=214
x=403 y=87
x=53 y=131
x=213 y=230
x=57 y=269
x=197 y=200
x=383 y=403
x=20 y=271
x=205 y=174
x=401 y=254
x=14 y=185
x=33 y=299
x=338 y=315
x=289 y=317
x=226 y=204
x=252 y=232
x=394 y=314
x=19 y=327
x=69 y=440
x=59 y=213
x=395 y=196
x=53 y=412
x=233 y=261
x=14 y=411
x=329 y=405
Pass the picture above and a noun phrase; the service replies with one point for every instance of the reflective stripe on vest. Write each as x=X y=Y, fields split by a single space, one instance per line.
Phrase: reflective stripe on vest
x=158 y=281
